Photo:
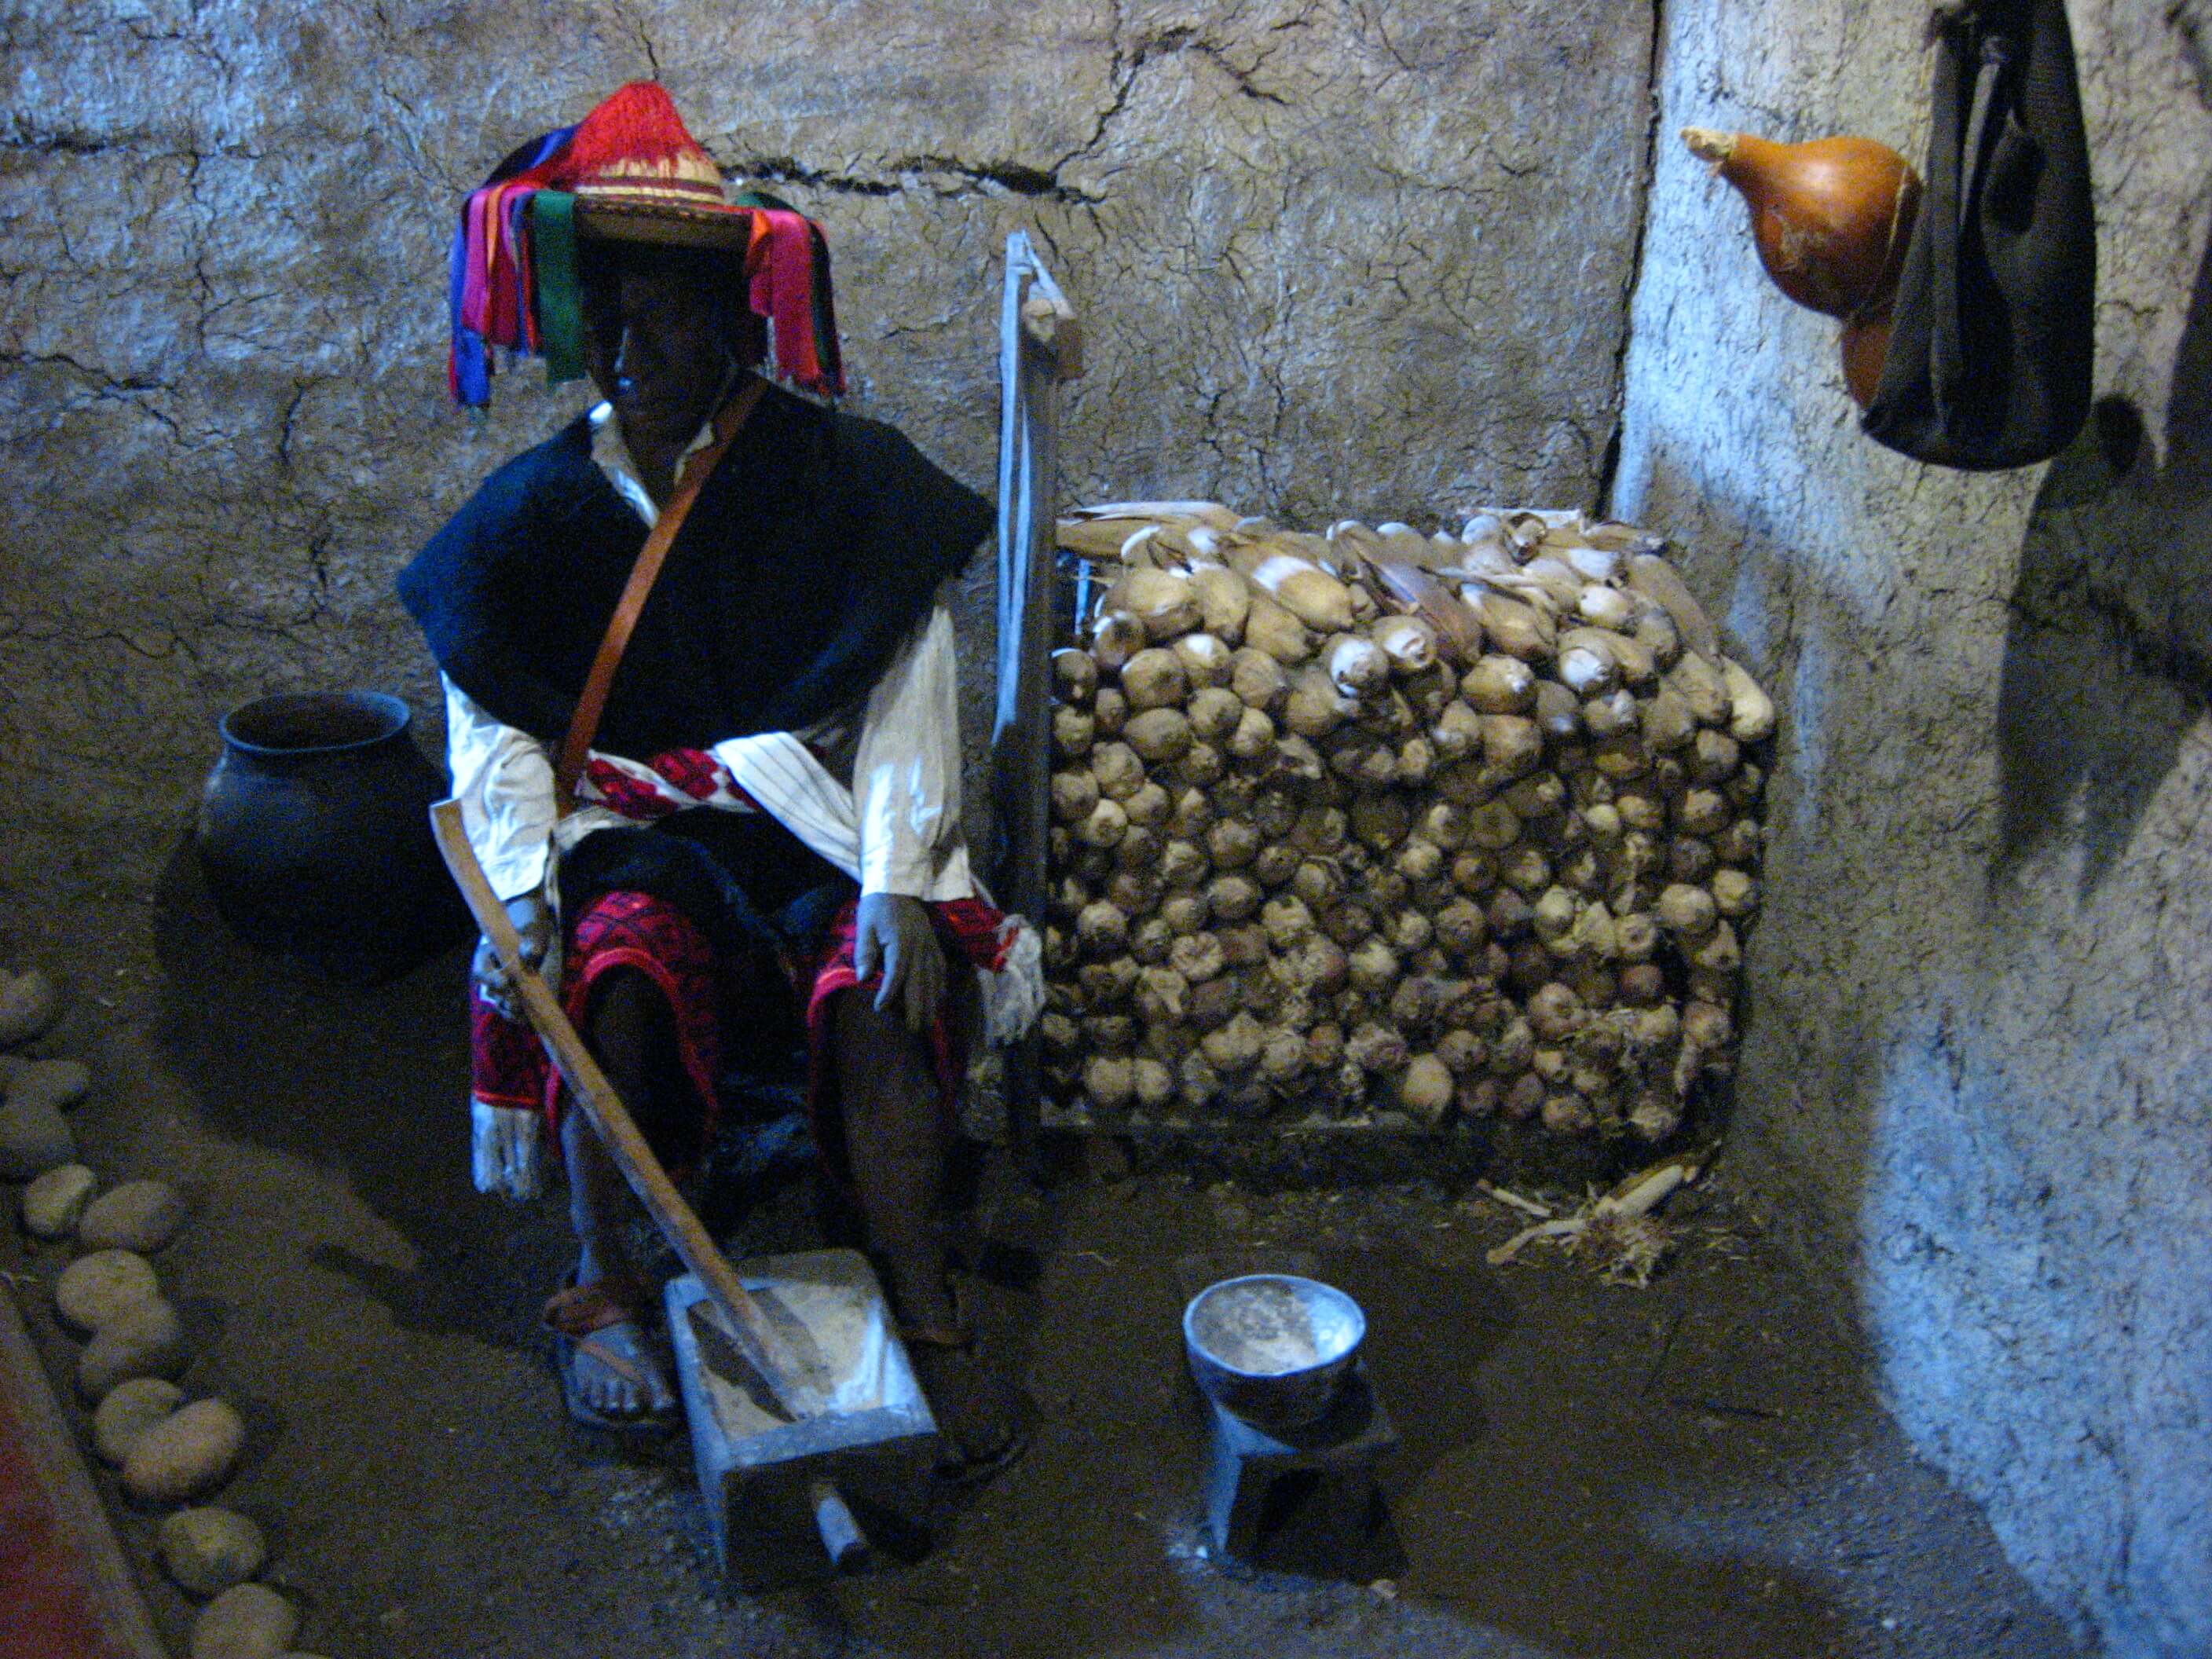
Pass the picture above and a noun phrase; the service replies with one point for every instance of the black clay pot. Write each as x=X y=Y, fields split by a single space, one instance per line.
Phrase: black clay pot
x=314 y=834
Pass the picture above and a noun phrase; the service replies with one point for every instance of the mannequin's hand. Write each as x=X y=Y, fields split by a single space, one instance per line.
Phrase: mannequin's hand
x=533 y=925
x=894 y=938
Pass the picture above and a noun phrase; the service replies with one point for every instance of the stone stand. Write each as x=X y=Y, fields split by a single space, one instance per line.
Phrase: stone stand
x=1306 y=1500
x=795 y=1502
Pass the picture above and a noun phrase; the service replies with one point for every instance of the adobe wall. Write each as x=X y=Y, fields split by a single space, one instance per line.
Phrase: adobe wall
x=1976 y=1051
x=1333 y=258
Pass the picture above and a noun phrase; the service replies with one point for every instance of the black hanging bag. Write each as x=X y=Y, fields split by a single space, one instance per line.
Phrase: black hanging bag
x=1993 y=334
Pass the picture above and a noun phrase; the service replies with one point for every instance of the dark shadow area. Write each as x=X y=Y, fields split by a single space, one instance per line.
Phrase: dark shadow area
x=2115 y=588
x=1907 y=1121
x=1542 y=1425
x=1582 y=1471
x=1543 y=1523
x=372 y=1082
x=1434 y=1330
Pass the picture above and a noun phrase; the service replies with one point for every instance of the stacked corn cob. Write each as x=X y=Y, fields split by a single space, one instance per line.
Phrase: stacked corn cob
x=1377 y=822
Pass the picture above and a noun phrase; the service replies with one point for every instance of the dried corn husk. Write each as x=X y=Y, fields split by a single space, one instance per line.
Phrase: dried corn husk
x=1224 y=601
x=1253 y=737
x=1258 y=679
x=1551 y=583
x=1735 y=893
x=1452 y=625
x=1587 y=665
x=1072 y=731
x=1154 y=678
x=1210 y=513
x=1075 y=675
x=1357 y=664
x=1206 y=661
x=1202 y=764
x=1425 y=1089
x=1317 y=706
x=1740 y=842
x=1499 y=685
x=1075 y=796
x=1751 y=717
x=1512 y=745
x=1100 y=539
x=1713 y=758
x=1274 y=630
x=1118 y=637
x=1558 y=712
x=1159 y=735
x=1514 y=626
x=1162 y=600
x=1104 y=826
x=1614 y=711
x=1300 y=585
x=1214 y=713
x=1119 y=773
x=1702 y=812
x=1606 y=606
x=1655 y=578
x=1701 y=685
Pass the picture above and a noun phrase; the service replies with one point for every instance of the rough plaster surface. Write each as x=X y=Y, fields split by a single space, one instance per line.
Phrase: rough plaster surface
x=1334 y=258
x=1977 y=1048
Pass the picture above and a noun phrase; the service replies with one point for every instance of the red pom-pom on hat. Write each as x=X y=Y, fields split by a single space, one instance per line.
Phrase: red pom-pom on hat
x=636 y=123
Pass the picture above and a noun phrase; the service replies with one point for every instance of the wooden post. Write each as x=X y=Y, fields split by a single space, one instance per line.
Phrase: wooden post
x=1039 y=344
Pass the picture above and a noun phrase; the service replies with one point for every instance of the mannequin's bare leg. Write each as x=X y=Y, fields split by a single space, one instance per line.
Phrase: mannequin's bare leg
x=895 y=1138
x=628 y=1017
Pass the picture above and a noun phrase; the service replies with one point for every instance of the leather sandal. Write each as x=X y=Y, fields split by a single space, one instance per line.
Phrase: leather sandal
x=574 y=1314
x=959 y=1346
x=959 y=1335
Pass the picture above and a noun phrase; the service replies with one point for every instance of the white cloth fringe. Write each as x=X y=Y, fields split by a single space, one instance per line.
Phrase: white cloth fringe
x=506 y=1150
x=1014 y=996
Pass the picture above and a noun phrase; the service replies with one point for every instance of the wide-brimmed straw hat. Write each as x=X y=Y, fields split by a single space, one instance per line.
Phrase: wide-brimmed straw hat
x=630 y=171
x=638 y=175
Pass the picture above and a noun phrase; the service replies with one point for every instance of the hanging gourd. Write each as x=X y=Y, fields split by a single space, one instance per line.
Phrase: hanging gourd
x=1831 y=219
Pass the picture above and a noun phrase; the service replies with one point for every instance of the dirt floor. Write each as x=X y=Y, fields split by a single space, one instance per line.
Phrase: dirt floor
x=1694 y=1469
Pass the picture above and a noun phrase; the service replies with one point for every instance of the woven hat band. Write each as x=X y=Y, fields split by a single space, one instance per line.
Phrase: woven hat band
x=680 y=192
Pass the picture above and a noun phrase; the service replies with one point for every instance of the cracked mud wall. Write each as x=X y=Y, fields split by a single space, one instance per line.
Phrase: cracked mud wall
x=1978 y=1047
x=1335 y=257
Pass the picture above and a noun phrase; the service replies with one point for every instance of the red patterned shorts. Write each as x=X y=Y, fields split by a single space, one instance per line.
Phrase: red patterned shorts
x=509 y=1067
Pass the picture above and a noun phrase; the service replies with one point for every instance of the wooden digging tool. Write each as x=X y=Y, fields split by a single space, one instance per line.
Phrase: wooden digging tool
x=1039 y=344
x=792 y=1384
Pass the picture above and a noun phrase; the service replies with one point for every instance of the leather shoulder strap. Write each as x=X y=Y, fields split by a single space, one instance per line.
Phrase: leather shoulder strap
x=591 y=704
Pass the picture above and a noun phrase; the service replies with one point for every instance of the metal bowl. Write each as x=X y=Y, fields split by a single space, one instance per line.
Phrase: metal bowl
x=1273 y=1348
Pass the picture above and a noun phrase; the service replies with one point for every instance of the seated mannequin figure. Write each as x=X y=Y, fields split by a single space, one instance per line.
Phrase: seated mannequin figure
x=760 y=855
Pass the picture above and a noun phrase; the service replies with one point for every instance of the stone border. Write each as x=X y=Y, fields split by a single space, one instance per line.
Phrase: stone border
x=171 y=1453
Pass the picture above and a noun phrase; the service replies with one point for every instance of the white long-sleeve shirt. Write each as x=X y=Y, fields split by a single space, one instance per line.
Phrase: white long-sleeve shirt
x=891 y=820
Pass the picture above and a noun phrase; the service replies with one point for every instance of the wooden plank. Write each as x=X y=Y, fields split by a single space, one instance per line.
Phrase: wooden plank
x=1039 y=344
x=795 y=1385
x=66 y=1590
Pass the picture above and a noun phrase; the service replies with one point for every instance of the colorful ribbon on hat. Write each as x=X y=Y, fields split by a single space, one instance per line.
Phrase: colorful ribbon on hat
x=492 y=277
x=789 y=265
